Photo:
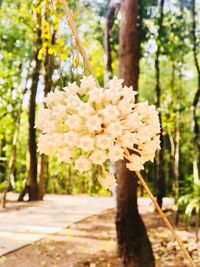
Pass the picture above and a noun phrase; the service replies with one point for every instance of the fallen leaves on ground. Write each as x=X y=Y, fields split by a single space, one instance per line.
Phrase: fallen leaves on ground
x=92 y=243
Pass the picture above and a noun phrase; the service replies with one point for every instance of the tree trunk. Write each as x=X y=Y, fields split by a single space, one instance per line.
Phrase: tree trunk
x=2 y=158
x=111 y=14
x=196 y=130
x=133 y=243
x=159 y=174
x=31 y=186
x=11 y=165
x=177 y=140
x=48 y=68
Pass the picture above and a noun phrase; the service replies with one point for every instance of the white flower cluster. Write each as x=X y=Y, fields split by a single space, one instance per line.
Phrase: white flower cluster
x=86 y=126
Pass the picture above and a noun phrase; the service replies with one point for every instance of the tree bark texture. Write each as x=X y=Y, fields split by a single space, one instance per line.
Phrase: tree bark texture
x=48 y=70
x=159 y=171
x=31 y=186
x=133 y=243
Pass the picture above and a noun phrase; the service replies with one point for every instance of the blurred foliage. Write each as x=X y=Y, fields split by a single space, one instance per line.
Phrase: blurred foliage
x=178 y=79
x=189 y=203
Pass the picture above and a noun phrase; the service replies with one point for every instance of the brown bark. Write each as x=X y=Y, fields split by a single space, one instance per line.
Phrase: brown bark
x=159 y=171
x=177 y=139
x=175 y=135
x=2 y=157
x=113 y=9
x=31 y=186
x=48 y=69
x=11 y=165
x=196 y=130
x=133 y=243
x=129 y=43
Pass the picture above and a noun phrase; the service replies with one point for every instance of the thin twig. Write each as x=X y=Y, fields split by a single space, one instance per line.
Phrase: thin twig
x=162 y=215
x=77 y=39
x=164 y=218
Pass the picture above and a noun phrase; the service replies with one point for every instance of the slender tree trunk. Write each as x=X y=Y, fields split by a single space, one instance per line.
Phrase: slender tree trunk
x=177 y=155
x=13 y=153
x=112 y=12
x=48 y=69
x=133 y=243
x=196 y=130
x=31 y=186
x=11 y=164
x=160 y=175
x=177 y=139
x=172 y=134
x=3 y=157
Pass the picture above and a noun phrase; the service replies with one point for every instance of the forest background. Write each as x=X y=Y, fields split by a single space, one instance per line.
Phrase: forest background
x=38 y=55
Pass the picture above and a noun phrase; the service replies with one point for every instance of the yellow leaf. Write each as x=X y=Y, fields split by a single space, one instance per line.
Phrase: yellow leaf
x=63 y=56
x=50 y=51
x=56 y=26
x=40 y=56
x=70 y=237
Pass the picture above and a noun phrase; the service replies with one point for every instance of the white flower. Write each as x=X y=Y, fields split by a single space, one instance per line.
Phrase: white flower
x=128 y=93
x=96 y=95
x=103 y=141
x=85 y=110
x=50 y=126
x=98 y=157
x=86 y=143
x=45 y=144
x=100 y=123
x=71 y=139
x=93 y=123
x=112 y=96
x=116 y=153
x=44 y=115
x=125 y=107
x=71 y=89
x=114 y=83
x=83 y=164
x=136 y=163
x=87 y=83
x=57 y=139
x=74 y=122
x=64 y=155
x=108 y=181
x=110 y=113
x=150 y=147
x=133 y=121
x=114 y=129
x=72 y=101
x=59 y=112
x=53 y=98
x=127 y=139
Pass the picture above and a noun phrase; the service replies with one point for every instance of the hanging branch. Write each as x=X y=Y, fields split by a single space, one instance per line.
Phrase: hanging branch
x=144 y=184
x=77 y=39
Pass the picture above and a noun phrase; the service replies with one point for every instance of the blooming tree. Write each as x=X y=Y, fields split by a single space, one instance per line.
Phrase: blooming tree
x=88 y=126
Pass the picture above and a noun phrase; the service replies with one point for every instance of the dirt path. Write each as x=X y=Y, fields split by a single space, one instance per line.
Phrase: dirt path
x=91 y=242
x=25 y=224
